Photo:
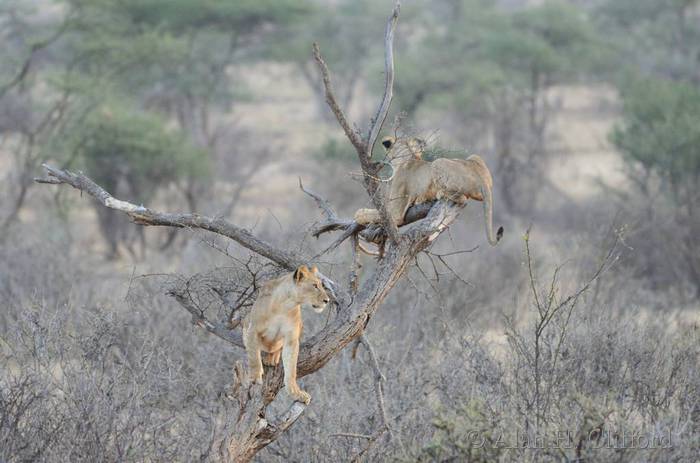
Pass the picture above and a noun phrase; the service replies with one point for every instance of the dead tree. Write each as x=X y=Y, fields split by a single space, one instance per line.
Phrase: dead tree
x=242 y=426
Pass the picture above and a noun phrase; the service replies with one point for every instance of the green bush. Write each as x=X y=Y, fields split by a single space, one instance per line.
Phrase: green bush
x=122 y=145
x=660 y=131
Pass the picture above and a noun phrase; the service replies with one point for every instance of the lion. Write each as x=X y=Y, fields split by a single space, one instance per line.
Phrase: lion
x=417 y=181
x=274 y=324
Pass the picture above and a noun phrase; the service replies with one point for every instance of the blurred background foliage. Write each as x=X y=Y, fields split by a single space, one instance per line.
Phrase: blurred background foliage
x=586 y=111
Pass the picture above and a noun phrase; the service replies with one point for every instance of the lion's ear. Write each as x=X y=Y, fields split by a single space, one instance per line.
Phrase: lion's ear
x=300 y=273
x=314 y=269
x=388 y=142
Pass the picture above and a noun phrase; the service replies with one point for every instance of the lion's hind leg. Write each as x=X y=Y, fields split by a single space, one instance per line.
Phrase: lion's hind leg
x=457 y=197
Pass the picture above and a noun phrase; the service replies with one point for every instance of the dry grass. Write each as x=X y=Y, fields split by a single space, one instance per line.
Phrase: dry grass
x=126 y=377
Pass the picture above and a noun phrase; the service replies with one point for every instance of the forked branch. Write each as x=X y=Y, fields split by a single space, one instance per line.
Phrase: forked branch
x=364 y=147
x=383 y=109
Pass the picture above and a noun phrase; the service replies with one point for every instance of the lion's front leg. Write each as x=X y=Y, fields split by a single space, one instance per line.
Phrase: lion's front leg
x=252 y=349
x=290 y=353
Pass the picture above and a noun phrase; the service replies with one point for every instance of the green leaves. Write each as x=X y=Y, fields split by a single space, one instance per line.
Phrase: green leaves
x=553 y=38
x=660 y=129
x=659 y=36
x=167 y=49
x=180 y=16
x=136 y=68
x=347 y=32
x=119 y=144
x=472 y=48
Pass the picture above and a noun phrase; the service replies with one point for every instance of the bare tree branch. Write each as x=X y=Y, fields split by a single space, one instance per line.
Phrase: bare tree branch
x=351 y=434
x=351 y=229
x=144 y=216
x=352 y=135
x=384 y=428
x=371 y=233
x=322 y=203
x=241 y=433
x=355 y=266
x=364 y=148
x=273 y=429
x=368 y=251
x=376 y=124
x=383 y=109
x=380 y=380
x=220 y=330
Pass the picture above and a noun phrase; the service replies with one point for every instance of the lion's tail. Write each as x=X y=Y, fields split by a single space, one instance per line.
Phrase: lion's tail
x=488 y=217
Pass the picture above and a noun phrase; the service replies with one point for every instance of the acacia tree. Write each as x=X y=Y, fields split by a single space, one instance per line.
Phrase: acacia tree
x=242 y=426
x=658 y=134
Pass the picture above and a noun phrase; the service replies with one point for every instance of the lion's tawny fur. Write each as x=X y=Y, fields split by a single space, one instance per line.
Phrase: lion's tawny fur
x=417 y=181
x=274 y=324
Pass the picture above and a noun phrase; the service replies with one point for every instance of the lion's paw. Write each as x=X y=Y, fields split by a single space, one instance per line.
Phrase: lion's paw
x=300 y=396
x=366 y=216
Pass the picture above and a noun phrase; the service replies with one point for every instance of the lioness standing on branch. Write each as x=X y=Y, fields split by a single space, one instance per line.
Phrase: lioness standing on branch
x=417 y=181
x=274 y=324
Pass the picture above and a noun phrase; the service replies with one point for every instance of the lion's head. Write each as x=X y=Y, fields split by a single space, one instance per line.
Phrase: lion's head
x=309 y=288
x=403 y=147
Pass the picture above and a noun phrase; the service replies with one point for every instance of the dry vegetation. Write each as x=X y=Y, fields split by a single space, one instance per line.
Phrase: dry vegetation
x=576 y=339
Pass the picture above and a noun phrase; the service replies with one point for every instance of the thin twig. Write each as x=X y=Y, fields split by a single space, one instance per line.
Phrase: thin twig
x=355 y=267
x=350 y=434
x=454 y=253
x=380 y=379
x=322 y=203
x=379 y=384
x=218 y=329
x=34 y=49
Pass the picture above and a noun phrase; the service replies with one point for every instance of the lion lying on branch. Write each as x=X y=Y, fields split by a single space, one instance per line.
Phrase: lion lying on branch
x=416 y=181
